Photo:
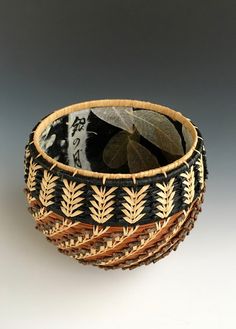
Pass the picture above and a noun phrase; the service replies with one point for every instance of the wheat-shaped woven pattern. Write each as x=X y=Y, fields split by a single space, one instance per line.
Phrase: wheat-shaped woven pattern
x=134 y=205
x=72 y=199
x=165 y=198
x=28 y=195
x=31 y=181
x=200 y=166
x=127 y=205
x=46 y=195
x=103 y=200
x=47 y=188
x=26 y=156
x=189 y=182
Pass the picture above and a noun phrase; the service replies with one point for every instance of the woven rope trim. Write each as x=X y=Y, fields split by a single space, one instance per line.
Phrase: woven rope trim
x=114 y=102
x=31 y=151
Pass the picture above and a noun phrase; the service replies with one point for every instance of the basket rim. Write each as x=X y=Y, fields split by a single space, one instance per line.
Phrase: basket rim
x=175 y=115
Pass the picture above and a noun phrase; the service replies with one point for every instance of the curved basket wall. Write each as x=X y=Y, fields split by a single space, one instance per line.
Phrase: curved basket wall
x=114 y=220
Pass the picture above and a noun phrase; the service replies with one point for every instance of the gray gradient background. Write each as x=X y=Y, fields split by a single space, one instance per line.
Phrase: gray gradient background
x=176 y=53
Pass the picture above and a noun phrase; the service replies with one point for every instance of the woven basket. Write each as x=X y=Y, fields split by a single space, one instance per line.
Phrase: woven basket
x=107 y=219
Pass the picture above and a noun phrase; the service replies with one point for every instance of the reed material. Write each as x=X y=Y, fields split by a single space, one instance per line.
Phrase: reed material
x=115 y=220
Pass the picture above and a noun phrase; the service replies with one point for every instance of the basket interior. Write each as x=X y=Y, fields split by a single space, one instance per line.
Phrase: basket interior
x=79 y=138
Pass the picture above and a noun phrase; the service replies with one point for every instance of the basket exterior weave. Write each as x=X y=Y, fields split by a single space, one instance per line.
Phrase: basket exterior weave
x=114 y=223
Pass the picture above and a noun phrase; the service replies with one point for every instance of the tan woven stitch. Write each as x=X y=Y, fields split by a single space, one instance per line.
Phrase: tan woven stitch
x=83 y=239
x=134 y=204
x=106 y=255
x=31 y=182
x=27 y=152
x=172 y=245
x=168 y=238
x=47 y=188
x=165 y=198
x=41 y=214
x=26 y=156
x=73 y=231
x=200 y=165
x=71 y=198
x=116 y=237
x=65 y=225
x=163 y=250
x=48 y=221
x=189 y=185
x=29 y=197
x=56 y=227
x=116 y=102
x=101 y=210
x=60 y=228
x=152 y=236
x=109 y=245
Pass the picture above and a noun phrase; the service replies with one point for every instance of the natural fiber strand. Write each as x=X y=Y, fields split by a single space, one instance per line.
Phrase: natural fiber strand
x=101 y=210
x=165 y=198
x=189 y=181
x=134 y=204
x=71 y=198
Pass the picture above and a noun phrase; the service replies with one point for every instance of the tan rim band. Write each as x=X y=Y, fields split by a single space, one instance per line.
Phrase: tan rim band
x=115 y=102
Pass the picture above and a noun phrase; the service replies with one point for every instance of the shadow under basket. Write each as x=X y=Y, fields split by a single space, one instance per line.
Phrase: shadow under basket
x=101 y=217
